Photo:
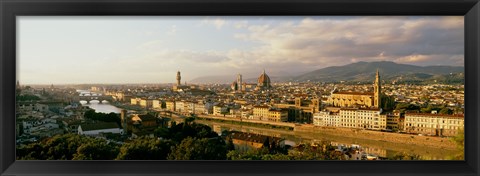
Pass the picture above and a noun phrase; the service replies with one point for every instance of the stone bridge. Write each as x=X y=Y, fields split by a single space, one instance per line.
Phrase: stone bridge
x=93 y=96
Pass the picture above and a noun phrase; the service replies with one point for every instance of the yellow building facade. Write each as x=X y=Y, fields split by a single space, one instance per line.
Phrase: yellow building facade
x=358 y=99
x=350 y=99
x=277 y=116
x=260 y=112
x=433 y=124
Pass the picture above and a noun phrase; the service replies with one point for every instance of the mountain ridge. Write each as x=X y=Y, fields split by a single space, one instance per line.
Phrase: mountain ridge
x=360 y=72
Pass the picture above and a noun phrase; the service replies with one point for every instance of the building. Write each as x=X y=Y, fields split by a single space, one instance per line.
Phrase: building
x=135 y=101
x=247 y=141
x=95 y=129
x=377 y=89
x=433 y=124
x=180 y=106
x=235 y=112
x=263 y=82
x=277 y=115
x=146 y=103
x=358 y=99
x=170 y=104
x=179 y=86
x=247 y=114
x=179 y=78
x=220 y=109
x=393 y=121
x=327 y=118
x=239 y=83
x=302 y=111
x=261 y=112
x=138 y=124
x=200 y=108
x=248 y=87
x=157 y=104
x=360 y=118
x=234 y=86
x=350 y=99
x=144 y=120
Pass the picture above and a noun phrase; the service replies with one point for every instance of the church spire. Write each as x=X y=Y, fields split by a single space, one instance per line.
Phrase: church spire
x=377 y=91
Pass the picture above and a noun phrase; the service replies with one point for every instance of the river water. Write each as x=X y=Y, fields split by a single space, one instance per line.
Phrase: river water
x=104 y=107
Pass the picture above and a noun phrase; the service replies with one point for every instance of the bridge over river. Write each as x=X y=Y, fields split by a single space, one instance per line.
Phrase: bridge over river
x=88 y=97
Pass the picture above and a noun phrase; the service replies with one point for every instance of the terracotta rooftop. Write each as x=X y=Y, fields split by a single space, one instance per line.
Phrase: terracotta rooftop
x=355 y=93
x=436 y=115
x=99 y=126
x=251 y=137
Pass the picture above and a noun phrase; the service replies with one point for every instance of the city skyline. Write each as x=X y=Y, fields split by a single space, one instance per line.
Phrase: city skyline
x=69 y=50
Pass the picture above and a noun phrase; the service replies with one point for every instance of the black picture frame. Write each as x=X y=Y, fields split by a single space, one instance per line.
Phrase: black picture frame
x=9 y=9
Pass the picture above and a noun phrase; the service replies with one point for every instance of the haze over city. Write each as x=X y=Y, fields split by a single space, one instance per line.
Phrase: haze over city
x=62 y=50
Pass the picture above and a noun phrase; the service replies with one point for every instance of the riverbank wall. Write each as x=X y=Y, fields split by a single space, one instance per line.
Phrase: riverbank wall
x=397 y=138
x=401 y=139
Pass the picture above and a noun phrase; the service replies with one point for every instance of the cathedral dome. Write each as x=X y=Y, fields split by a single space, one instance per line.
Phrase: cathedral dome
x=264 y=81
x=264 y=78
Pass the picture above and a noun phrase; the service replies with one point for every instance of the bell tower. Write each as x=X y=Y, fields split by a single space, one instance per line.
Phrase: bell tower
x=179 y=78
x=377 y=91
x=239 y=82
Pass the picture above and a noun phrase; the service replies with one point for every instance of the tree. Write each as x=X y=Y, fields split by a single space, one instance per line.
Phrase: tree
x=388 y=102
x=318 y=151
x=446 y=111
x=199 y=149
x=27 y=97
x=459 y=140
x=68 y=147
x=145 y=149
x=405 y=156
x=254 y=154
x=191 y=129
x=96 y=149
x=406 y=106
x=230 y=146
x=110 y=117
x=427 y=109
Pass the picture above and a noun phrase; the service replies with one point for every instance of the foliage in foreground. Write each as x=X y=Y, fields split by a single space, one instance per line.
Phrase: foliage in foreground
x=69 y=147
x=317 y=151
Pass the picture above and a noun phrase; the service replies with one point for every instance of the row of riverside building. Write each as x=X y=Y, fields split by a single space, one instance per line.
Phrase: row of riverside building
x=373 y=119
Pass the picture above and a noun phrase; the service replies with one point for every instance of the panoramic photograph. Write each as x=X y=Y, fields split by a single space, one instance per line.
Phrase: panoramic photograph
x=240 y=88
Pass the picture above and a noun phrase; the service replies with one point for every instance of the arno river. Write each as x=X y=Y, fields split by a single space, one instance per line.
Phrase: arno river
x=381 y=148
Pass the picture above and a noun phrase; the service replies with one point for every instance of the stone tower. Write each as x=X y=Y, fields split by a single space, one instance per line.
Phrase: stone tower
x=239 y=82
x=377 y=102
x=179 y=78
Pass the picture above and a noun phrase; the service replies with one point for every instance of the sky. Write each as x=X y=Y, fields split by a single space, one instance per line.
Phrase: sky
x=77 y=50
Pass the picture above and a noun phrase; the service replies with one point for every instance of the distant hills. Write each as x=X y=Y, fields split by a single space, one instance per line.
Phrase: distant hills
x=362 y=72
x=389 y=71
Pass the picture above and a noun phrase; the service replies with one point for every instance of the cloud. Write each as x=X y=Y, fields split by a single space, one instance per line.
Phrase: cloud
x=218 y=23
x=149 y=45
x=329 y=41
x=241 y=24
x=172 y=30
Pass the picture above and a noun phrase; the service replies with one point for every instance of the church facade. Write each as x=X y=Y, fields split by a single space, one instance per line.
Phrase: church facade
x=358 y=99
